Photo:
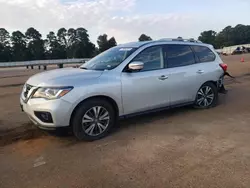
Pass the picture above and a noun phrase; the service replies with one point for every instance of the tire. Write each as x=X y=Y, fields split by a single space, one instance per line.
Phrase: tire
x=86 y=125
x=208 y=101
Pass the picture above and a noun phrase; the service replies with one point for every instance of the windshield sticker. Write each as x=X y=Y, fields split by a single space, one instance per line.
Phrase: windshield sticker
x=125 y=49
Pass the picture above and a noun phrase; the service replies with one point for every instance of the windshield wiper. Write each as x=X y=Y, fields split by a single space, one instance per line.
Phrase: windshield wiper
x=83 y=68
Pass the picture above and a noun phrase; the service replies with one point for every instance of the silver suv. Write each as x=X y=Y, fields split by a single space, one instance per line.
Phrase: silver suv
x=128 y=79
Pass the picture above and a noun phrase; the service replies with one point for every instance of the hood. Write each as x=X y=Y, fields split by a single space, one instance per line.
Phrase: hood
x=63 y=77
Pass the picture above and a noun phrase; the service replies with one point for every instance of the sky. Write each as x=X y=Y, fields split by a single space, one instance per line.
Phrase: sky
x=126 y=20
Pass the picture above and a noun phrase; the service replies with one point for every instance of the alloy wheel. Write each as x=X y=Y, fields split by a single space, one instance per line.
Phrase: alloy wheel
x=95 y=121
x=205 y=96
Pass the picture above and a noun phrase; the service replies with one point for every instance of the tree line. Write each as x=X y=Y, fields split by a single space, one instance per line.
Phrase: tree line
x=75 y=43
x=229 y=36
x=71 y=43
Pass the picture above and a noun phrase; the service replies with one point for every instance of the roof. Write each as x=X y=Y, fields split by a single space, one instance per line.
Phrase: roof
x=134 y=44
x=169 y=41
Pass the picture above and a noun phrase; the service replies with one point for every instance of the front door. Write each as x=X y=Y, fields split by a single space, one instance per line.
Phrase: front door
x=146 y=89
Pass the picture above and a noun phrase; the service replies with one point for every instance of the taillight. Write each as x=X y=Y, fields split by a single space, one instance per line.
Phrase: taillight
x=224 y=67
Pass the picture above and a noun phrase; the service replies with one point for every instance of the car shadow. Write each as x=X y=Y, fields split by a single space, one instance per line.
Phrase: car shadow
x=65 y=134
x=148 y=118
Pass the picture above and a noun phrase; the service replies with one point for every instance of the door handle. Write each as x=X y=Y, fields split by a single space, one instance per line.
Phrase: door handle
x=200 y=71
x=163 y=77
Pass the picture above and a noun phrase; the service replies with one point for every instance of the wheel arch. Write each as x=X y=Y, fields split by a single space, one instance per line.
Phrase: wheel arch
x=210 y=81
x=103 y=97
x=214 y=102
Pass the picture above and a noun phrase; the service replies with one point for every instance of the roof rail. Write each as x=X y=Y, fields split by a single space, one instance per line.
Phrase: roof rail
x=180 y=39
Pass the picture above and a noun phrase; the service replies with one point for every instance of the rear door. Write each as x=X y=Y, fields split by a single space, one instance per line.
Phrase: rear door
x=208 y=68
x=180 y=61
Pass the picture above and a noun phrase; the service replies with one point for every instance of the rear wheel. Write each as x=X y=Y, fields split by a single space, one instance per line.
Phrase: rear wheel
x=207 y=96
x=93 y=120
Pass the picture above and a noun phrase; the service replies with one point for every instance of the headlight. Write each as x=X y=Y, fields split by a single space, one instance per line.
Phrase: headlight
x=51 y=93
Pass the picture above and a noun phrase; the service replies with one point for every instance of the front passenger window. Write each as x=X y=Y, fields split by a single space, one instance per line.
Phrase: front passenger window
x=152 y=58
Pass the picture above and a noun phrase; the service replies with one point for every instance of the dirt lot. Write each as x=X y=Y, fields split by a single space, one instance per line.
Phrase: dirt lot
x=178 y=148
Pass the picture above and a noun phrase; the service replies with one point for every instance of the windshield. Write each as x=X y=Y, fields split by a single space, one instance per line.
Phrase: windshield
x=109 y=59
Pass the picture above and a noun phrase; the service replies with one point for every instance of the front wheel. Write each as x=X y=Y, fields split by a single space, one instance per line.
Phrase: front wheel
x=93 y=120
x=207 y=96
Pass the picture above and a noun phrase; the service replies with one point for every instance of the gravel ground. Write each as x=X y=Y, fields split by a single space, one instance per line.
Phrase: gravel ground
x=177 y=148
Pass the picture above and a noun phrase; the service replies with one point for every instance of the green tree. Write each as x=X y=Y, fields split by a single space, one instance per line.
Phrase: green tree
x=112 y=42
x=208 y=37
x=71 y=43
x=104 y=43
x=83 y=47
x=76 y=42
x=4 y=36
x=144 y=37
x=19 y=46
x=240 y=34
x=62 y=36
x=5 y=49
x=62 y=39
x=36 y=50
x=225 y=37
x=54 y=49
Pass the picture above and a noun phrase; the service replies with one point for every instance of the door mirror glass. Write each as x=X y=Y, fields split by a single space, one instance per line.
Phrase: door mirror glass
x=136 y=65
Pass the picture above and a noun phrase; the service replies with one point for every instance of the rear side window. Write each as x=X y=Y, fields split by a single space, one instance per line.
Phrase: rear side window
x=204 y=54
x=179 y=55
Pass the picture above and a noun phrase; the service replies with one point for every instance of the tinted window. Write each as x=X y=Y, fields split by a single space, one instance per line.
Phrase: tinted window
x=151 y=57
x=203 y=53
x=179 y=55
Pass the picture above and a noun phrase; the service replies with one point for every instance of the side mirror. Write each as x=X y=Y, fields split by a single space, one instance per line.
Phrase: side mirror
x=136 y=66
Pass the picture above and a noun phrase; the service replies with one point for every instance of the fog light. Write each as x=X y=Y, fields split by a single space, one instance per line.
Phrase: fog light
x=44 y=116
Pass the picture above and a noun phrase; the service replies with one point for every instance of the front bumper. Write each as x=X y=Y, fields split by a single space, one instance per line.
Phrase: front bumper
x=59 y=109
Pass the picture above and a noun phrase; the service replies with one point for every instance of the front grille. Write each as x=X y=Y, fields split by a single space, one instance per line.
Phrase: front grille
x=26 y=90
